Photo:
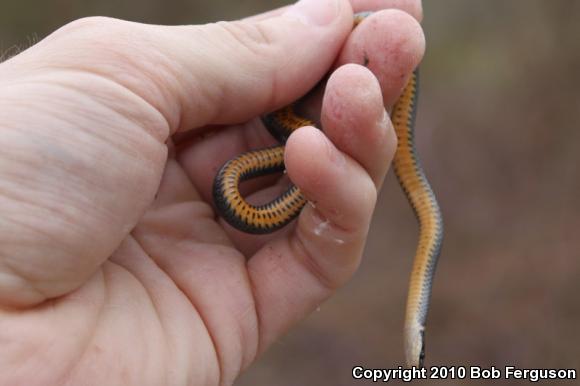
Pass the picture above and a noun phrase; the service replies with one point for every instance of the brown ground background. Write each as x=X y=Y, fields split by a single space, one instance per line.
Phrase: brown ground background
x=499 y=135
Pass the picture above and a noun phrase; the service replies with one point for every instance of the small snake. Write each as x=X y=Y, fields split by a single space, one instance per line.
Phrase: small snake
x=279 y=212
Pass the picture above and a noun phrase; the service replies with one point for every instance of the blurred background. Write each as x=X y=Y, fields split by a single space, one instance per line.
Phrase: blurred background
x=499 y=135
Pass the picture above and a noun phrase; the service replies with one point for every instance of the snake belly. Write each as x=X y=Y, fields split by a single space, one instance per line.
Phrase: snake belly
x=269 y=217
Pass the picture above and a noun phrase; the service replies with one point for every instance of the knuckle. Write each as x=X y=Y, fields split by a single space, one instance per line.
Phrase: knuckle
x=94 y=37
x=87 y=26
x=328 y=279
x=251 y=36
x=98 y=39
x=254 y=47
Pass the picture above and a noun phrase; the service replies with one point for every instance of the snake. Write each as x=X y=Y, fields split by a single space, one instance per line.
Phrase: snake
x=271 y=216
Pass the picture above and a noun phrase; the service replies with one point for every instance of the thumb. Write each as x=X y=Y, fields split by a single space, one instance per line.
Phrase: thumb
x=218 y=73
x=237 y=70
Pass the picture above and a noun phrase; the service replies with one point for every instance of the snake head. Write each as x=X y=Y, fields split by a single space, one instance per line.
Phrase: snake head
x=415 y=346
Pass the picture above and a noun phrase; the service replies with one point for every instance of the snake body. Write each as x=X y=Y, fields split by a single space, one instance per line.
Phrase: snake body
x=266 y=218
x=260 y=219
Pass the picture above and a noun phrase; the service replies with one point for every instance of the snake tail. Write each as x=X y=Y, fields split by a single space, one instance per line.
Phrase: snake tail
x=422 y=199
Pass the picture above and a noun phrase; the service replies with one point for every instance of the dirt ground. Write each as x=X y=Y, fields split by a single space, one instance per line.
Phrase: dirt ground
x=498 y=133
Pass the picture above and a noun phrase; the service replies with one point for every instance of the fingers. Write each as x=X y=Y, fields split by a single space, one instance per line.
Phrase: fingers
x=355 y=120
x=391 y=44
x=366 y=133
x=339 y=189
x=294 y=274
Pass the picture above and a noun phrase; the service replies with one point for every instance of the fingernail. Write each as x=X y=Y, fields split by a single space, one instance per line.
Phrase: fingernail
x=314 y=12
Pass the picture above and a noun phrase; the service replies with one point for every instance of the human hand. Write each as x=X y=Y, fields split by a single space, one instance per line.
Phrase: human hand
x=113 y=267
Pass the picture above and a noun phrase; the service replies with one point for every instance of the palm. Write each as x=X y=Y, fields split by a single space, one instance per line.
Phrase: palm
x=175 y=291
